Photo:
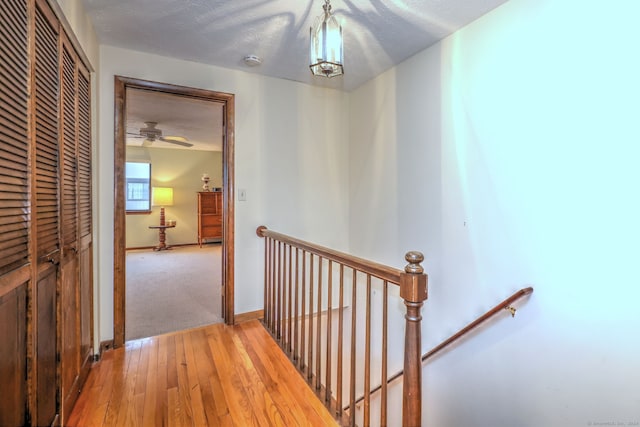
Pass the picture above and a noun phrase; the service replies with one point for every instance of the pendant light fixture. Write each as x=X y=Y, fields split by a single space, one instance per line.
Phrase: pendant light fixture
x=325 y=55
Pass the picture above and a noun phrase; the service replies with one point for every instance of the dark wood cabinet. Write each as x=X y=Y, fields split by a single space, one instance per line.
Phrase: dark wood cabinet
x=209 y=215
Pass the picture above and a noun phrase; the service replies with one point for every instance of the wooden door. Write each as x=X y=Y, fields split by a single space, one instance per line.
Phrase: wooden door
x=76 y=225
x=46 y=228
x=85 y=227
x=14 y=210
x=69 y=290
x=45 y=217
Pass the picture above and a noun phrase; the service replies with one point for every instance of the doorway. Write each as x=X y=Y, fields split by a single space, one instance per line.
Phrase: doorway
x=226 y=101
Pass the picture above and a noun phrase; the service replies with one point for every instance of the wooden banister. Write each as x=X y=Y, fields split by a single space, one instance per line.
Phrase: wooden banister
x=295 y=300
x=504 y=305
x=381 y=271
x=413 y=289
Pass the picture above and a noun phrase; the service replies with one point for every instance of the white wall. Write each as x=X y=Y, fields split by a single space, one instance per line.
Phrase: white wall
x=75 y=15
x=181 y=170
x=509 y=154
x=291 y=158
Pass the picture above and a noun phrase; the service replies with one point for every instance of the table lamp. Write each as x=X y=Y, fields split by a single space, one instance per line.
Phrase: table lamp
x=162 y=196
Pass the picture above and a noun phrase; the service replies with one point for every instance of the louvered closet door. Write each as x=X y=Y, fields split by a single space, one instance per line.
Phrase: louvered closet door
x=69 y=295
x=46 y=90
x=13 y=136
x=14 y=209
x=85 y=214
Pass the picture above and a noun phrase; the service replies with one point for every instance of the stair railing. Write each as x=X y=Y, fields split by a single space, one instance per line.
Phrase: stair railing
x=504 y=305
x=302 y=283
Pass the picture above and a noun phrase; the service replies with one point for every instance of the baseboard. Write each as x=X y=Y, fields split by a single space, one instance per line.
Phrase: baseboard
x=173 y=246
x=138 y=248
x=104 y=346
x=251 y=315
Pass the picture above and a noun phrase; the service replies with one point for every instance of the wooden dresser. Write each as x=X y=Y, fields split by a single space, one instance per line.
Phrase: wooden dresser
x=209 y=215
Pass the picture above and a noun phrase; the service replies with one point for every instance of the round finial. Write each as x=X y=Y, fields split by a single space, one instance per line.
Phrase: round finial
x=259 y=230
x=414 y=258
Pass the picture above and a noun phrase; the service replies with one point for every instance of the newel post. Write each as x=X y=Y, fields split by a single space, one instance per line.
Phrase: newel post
x=413 y=289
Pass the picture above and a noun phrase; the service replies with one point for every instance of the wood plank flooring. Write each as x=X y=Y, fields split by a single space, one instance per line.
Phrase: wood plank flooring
x=210 y=376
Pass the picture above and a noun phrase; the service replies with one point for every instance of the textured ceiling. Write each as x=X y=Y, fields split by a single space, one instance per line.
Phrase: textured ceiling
x=378 y=34
x=199 y=121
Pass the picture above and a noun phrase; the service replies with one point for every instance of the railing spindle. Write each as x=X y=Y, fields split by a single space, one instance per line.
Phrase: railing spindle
x=340 y=342
x=319 y=327
x=283 y=293
x=367 y=357
x=327 y=381
x=290 y=306
x=311 y=351
x=296 y=350
x=279 y=324
x=273 y=285
x=267 y=303
x=283 y=303
x=283 y=306
x=352 y=379
x=303 y=319
x=383 y=374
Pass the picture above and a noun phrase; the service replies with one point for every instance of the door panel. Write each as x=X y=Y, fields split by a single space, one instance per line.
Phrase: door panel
x=14 y=210
x=70 y=344
x=85 y=215
x=85 y=304
x=14 y=124
x=69 y=290
x=47 y=221
x=13 y=356
x=46 y=347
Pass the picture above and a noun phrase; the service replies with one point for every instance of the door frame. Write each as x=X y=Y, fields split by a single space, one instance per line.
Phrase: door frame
x=119 y=225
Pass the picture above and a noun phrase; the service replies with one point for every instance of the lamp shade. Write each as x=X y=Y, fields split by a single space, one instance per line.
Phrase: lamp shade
x=325 y=53
x=162 y=196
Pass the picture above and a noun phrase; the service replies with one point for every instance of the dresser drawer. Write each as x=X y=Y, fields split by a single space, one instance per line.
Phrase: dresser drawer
x=211 y=231
x=208 y=220
x=210 y=203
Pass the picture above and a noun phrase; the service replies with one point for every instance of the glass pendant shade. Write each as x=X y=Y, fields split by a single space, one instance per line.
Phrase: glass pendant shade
x=325 y=55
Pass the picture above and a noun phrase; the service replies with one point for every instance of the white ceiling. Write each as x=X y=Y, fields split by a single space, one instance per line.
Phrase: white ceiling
x=199 y=121
x=378 y=34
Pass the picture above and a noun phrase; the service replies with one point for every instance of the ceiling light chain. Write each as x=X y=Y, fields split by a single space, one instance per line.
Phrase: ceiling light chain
x=325 y=54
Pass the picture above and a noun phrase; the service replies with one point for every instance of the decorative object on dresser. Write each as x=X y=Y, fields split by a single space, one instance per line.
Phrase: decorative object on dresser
x=209 y=215
x=205 y=178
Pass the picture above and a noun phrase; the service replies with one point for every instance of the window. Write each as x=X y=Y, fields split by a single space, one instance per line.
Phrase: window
x=138 y=180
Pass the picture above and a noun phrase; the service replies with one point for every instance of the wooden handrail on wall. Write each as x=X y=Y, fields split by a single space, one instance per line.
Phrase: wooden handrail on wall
x=293 y=271
x=504 y=305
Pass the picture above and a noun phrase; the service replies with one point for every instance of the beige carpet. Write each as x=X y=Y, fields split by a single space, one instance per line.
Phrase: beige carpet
x=172 y=290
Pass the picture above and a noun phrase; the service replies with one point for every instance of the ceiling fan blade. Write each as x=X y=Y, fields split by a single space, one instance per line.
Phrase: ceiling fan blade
x=178 y=140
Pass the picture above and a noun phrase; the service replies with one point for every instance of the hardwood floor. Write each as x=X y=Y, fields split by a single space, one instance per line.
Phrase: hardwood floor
x=210 y=376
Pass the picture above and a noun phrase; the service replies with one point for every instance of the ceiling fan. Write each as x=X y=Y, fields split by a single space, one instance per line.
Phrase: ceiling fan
x=151 y=133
